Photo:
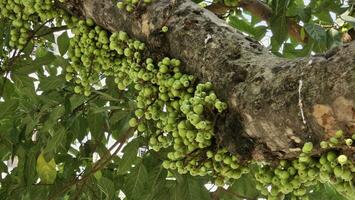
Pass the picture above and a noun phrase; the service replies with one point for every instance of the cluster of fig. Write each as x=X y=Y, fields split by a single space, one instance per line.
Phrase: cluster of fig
x=294 y=178
x=171 y=108
x=25 y=15
x=337 y=140
x=91 y=56
x=219 y=164
x=130 y=5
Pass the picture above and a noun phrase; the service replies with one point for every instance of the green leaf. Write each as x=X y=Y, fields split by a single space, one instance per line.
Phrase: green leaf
x=3 y=167
x=46 y=170
x=326 y=191
x=245 y=186
x=297 y=8
x=57 y=139
x=192 y=188
x=50 y=37
x=5 y=151
x=119 y=122
x=51 y=83
x=243 y=25
x=129 y=156
x=178 y=192
x=20 y=170
x=240 y=24
x=43 y=57
x=54 y=115
x=106 y=96
x=61 y=62
x=333 y=38
x=289 y=50
x=25 y=67
x=4 y=33
x=7 y=88
x=318 y=37
x=135 y=182
x=37 y=192
x=317 y=32
x=76 y=101
x=278 y=22
x=46 y=33
x=118 y=116
x=96 y=124
x=79 y=127
x=254 y=20
x=24 y=84
x=107 y=187
x=30 y=165
x=157 y=176
x=98 y=175
x=324 y=16
x=346 y=17
x=29 y=48
x=166 y=195
x=63 y=43
x=7 y=108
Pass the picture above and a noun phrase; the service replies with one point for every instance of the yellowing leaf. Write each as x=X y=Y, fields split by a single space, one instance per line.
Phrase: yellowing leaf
x=46 y=170
x=98 y=175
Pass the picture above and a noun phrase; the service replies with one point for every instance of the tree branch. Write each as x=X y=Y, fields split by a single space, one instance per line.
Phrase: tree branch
x=264 y=118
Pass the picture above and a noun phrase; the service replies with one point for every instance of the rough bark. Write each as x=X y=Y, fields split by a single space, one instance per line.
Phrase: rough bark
x=275 y=105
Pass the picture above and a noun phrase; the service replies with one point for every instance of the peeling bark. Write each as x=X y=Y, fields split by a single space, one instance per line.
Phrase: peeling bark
x=275 y=105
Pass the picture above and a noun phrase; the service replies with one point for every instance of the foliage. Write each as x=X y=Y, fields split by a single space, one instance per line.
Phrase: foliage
x=69 y=97
x=321 y=25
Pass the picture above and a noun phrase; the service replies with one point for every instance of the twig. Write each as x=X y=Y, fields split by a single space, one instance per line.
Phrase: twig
x=98 y=165
x=52 y=30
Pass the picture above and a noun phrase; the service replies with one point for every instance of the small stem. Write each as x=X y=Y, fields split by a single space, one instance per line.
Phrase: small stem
x=52 y=30
x=97 y=166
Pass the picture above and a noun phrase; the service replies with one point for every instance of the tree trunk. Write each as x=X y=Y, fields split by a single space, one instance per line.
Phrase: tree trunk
x=275 y=105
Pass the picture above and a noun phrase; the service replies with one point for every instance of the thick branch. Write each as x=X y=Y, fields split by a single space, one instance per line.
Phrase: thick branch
x=274 y=105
